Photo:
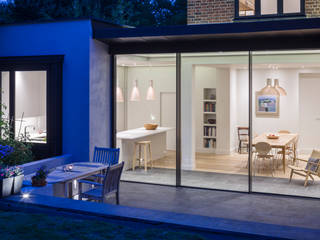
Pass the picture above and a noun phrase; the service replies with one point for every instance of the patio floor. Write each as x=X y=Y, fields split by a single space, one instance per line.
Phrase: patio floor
x=261 y=208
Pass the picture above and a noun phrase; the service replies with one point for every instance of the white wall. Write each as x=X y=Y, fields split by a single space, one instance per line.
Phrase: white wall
x=289 y=109
x=121 y=106
x=30 y=100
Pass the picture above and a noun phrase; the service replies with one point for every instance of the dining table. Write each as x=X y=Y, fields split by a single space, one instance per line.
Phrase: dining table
x=282 y=142
x=65 y=183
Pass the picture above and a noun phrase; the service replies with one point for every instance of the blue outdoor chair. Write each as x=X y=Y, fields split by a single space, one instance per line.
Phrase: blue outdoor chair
x=108 y=156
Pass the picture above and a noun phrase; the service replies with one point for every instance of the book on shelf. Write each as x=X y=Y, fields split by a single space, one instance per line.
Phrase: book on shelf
x=210 y=131
x=209 y=107
x=209 y=143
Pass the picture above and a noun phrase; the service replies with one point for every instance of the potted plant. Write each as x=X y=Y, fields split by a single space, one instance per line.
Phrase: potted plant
x=39 y=180
x=6 y=182
x=18 y=179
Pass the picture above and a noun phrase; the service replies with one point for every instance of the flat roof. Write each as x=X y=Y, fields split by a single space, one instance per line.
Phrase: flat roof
x=190 y=37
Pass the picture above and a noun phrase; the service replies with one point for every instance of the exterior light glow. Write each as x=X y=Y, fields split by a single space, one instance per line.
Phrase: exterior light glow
x=25 y=195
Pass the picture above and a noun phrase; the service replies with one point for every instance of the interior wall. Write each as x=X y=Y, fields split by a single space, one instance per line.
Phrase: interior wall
x=121 y=116
x=30 y=85
x=289 y=105
x=164 y=80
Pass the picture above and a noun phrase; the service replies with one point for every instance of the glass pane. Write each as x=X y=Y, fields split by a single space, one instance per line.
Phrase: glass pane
x=5 y=76
x=291 y=6
x=214 y=119
x=31 y=106
x=269 y=7
x=286 y=121
x=5 y=94
x=246 y=7
x=146 y=97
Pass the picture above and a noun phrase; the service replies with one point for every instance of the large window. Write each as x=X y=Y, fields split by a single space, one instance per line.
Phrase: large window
x=245 y=121
x=31 y=98
x=268 y=8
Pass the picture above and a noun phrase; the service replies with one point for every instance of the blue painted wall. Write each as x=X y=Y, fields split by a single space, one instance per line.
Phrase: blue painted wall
x=72 y=39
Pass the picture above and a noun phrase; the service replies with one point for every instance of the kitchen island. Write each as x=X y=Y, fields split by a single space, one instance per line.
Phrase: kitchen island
x=126 y=140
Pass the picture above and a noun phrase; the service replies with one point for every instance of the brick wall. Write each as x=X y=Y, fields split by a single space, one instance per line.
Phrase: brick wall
x=210 y=11
x=217 y=11
x=313 y=8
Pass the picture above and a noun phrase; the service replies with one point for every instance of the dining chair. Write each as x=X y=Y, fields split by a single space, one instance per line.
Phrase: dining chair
x=243 y=138
x=290 y=152
x=311 y=169
x=101 y=191
x=263 y=150
x=108 y=156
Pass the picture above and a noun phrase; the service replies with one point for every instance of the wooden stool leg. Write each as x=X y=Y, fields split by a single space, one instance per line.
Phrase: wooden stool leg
x=134 y=159
x=150 y=155
x=145 y=157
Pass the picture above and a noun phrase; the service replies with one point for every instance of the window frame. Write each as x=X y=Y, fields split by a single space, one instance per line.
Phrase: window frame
x=53 y=66
x=279 y=13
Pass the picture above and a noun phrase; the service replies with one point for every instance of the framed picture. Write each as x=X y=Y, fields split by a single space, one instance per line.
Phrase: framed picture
x=267 y=105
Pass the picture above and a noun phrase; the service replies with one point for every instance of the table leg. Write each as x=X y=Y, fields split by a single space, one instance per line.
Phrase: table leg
x=284 y=159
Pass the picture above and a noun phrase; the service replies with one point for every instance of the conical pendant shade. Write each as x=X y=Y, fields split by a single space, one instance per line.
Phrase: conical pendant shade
x=119 y=95
x=150 y=92
x=269 y=89
x=279 y=89
x=135 y=94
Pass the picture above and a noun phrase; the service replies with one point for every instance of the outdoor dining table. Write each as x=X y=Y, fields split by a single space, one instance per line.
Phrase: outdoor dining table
x=65 y=182
x=282 y=143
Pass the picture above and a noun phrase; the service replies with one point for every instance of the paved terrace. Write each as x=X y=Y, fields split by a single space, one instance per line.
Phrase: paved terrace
x=214 y=211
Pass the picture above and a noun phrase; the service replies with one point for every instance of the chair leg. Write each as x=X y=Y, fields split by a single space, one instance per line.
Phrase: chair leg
x=145 y=157
x=291 y=174
x=306 y=181
x=239 y=149
x=117 y=197
x=134 y=158
x=150 y=155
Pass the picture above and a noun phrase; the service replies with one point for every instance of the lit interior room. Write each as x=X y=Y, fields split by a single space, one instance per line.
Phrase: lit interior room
x=215 y=120
x=30 y=104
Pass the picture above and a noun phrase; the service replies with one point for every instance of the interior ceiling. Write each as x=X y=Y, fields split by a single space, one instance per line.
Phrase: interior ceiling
x=151 y=60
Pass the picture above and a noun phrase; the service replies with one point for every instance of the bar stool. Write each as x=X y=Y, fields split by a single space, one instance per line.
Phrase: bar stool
x=146 y=145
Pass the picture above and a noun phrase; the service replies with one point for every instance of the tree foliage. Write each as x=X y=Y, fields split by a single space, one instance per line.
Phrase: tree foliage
x=125 y=12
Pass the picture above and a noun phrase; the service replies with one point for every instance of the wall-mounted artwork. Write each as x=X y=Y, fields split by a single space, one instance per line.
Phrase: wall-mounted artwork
x=267 y=106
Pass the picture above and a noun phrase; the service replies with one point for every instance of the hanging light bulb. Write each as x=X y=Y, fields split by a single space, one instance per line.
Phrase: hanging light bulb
x=135 y=94
x=269 y=89
x=150 y=92
x=119 y=95
x=279 y=89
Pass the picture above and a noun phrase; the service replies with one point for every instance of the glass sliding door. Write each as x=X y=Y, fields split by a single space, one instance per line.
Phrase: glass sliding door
x=215 y=120
x=146 y=99
x=286 y=122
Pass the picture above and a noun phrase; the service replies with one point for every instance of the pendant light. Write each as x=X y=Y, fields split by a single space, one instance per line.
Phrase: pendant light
x=269 y=89
x=279 y=89
x=150 y=92
x=119 y=95
x=135 y=94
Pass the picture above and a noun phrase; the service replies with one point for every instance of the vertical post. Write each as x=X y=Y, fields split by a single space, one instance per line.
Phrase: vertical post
x=257 y=6
x=12 y=93
x=250 y=125
x=280 y=7
x=113 y=101
x=178 y=119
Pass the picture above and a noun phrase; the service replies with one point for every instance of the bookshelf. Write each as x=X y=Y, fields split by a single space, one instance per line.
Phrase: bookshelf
x=209 y=119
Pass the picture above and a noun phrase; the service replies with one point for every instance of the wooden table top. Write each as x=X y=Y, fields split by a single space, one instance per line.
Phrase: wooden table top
x=282 y=141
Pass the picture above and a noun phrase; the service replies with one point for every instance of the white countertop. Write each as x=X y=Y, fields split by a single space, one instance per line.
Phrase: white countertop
x=140 y=133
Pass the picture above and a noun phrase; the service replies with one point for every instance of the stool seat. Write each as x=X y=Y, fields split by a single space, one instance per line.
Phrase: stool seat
x=143 y=142
x=146 y=146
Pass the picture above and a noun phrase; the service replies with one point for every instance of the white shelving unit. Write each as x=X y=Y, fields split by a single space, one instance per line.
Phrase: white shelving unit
x=209 y=133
